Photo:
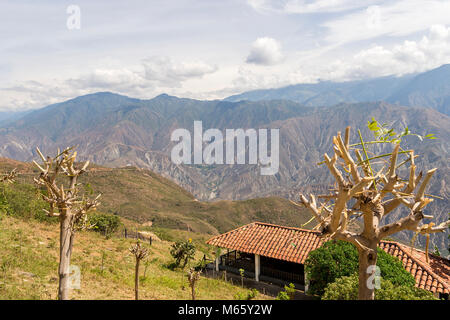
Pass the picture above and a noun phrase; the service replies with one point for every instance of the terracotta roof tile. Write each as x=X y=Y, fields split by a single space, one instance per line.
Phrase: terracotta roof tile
x=294 y=245
x=433 y=275
x=283 y=243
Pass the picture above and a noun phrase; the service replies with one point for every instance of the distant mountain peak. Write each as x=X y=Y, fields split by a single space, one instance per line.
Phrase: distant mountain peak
x=430 y=89
x=444 y=66
x=98 y=95
x=102 y=93
x=165 y=96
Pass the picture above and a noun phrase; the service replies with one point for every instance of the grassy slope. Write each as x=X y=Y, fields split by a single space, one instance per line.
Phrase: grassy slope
x=143 y=196
x=29 y=261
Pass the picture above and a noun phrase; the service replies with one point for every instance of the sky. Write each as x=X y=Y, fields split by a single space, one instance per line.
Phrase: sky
x=51 y=51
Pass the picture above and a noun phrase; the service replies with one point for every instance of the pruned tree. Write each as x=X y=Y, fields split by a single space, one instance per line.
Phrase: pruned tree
x=66 y=203
x=139 y=253
x=9 y=177
x=5 y=179
x=242 y=273
x=193 y=276
x=360 y=192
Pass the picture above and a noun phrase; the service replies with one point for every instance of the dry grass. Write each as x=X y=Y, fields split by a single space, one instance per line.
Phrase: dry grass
x=29 y=261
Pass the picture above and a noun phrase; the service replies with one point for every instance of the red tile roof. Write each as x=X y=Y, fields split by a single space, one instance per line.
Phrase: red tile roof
x=269 y=240
x=433 y=275
x=294 y=244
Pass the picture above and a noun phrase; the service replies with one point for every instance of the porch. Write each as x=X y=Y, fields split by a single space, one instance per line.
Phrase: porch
x=261 y=268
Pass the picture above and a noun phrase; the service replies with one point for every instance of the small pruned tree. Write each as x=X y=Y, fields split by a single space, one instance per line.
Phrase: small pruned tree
x=193 y=276
x=9 y=177
x=66 y=203
x=6 y=179
x=242 y=273
x=139 y=253
x=361 y=192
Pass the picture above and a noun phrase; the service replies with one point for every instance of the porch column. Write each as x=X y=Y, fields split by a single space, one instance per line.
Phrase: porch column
x=217 y=263
x=305 y=277
x=257 y=267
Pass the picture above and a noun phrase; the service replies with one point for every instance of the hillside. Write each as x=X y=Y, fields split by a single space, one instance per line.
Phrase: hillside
x=29 y=264
x=118 y=131
x=142 y=195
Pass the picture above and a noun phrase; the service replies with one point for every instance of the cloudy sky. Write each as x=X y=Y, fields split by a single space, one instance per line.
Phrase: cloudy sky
x=207 y=49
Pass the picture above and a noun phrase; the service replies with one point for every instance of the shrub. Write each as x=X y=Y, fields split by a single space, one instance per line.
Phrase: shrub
x=282 y=295
x=336 y=259
x=346 y=288
x=22 y=200
x=107 y=224
x=182 y=252
x=288 y=293
x=389 y=291
x=249 y=295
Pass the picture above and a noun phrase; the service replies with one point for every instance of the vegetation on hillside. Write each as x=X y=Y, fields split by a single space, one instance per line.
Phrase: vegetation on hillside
x=182 y=252
x=145 y=196
x=28 y=261
x=28 y=267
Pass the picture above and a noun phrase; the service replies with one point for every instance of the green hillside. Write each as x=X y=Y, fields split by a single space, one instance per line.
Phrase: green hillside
x=143 y=196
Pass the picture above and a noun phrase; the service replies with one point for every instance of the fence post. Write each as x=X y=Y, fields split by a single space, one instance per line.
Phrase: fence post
x=126 y=233
x=150 y=240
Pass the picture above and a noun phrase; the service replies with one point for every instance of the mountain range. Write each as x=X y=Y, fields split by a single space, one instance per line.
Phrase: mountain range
x=116 y=131
x=430 y=89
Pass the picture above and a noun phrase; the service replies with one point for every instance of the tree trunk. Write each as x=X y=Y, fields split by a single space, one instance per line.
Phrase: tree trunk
x=65 y=253
x=193 y=291
x=136 y=280
x=367 y=273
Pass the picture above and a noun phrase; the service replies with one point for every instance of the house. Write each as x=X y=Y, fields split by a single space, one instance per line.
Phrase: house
x=277 y=254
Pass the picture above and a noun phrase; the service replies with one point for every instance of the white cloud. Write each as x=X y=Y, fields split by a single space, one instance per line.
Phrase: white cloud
x=431 y=51
x=391 y=19
x=149 y=78
x=324 y=39
x=265 y=51
x=301 y=6
x=33 y=94
x=117 y=79
x=165 y=72
x=308 y=6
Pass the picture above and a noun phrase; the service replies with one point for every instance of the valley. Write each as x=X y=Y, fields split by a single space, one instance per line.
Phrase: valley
x=116 y=131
